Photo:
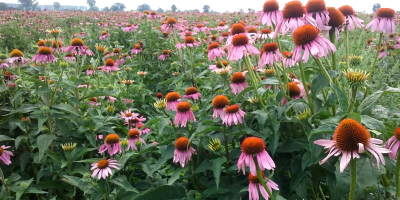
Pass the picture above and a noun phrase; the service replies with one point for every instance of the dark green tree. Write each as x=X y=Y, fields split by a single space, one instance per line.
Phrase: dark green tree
x=106 y=9
x=160 y=10
x=3 y=6
x=28 y=4
x=143 y=7
x=118 y=7
x=94 y=8
x=206 y=8
x=91 y=3
x=173 y=8
x=56 y=5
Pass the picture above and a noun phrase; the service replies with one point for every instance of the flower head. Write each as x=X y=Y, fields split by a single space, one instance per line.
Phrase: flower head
x=5 y=155
x=393 y=144
x=112 y=144
x=215 y=144
x=44 y=56
x=384 y=21
x=215 y=51
x=270 y=54
x=254 y=182
x=134 y=136
x=219 y=103
x=17 y=57
x=183 y=114
x=240 y=44
x=350 y=139
x=270 y=15
x=192 y=93
x=351 y=18
x=103 y=168
x=249 y=147
x=172 y=98
x=183 y=151
x=233 y=114
x=239 y=83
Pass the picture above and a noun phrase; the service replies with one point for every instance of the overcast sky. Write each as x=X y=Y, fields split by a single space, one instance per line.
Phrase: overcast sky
x=222 y=5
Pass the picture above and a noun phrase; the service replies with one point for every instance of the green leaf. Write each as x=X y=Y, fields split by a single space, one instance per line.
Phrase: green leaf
x=43 y=141
x=217 y=167
x=34 y=191
x=262 y=117
x=355 y=116
x=320 y=82
x=163 y=122
x=206 y=164
x=268 y=81
x=343 y=101
x=165 y=192
x=167 y=154
x=176 y=175
x=75 y=181
x=90 y=160
x=214 y=190
x=5 y=138
x=67 y=108
x=123 y=183
x=370 y=100
x=372 y=123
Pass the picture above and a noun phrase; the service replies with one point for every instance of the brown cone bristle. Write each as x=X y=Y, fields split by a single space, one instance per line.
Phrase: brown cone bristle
x=128 y=25
x=116 y=50
x=183 y=106
x=140 y=126
x=238 y=77
x=137 y=46
x=218 y=64
x=189 y=40
x=252 y=145
x=232 y=109
x=165 y=34
x=153 y=13
x=112 y=138
x=77 y=42
x=182 y=144
x=165 y=52
x=188 y=33
x=133 y=133
x=70 y=55
x=385 y=12
x=159 y=95
x=44 y=51
x=171 y=21
x=225 y=34
x=1 y=151
x=252 y=30
x=305 y=34
x=221 y=24
x=293 y=9
x=347 y=10
x=237 y=28
x=266 y=31
x=213 y=46
x=315 y=6
x=254 y=179
x=294 y=89
x=146 y=12
x=16 y=53
x=270 y=5
x=134 y=120
x=199 y=25
x=349 y=134
x=336 y=17
x=270 y=47
x=214 y=37
x=102 y=164
x=397 y=133
x=287 y=54
x=109 y=62
x=40 y=43
x=55 y=45
x=172 y=96
x=100 y=48
x=240 y=40
x=191 y=90
x=103 y=33
x=220 y=101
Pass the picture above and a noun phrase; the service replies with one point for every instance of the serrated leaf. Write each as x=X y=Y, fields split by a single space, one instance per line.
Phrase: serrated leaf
x=123 y=183
x=217 y=167
x=67 y=108
x=43 y=142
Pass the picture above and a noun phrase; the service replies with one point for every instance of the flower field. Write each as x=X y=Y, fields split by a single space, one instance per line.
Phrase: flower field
x=298 y=103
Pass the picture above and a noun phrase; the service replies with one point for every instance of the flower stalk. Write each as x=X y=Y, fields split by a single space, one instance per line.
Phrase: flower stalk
x=261 y=178
x=353 y=177
x=303 y=79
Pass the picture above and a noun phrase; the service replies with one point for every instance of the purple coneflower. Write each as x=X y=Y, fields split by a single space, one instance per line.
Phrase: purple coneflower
x=183 y=114
x=112 y=144
x=219 y=103
x=270 y=54
x=134 y=136
x=249 y=147
x=188 y=42
x=110 y=66
x=255 y=184
x=44 y=56
x=192 y=93
x=172 y=98
x=102 y=168
x=183 y=151
x=136 y=49
x=270 y=14
x=239 y=83
x=17 y=57
x=215 y=51
x=384 y=21
x=351 y=17
x=5 y=155
x=77 y=47
x=233 y=114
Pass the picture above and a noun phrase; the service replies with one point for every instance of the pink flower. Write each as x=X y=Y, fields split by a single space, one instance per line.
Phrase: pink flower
x=254 y=182
x=112 y=144
x=164 y=55
x=135 y=121
x=129 y=28
x=318 y=11
x=393 y=144
x=351 y=18
x=134 y=136
x=189 y=42
x=183 y=114
x=145 y=130
x=250 y=146
x=219 y=103
x=192 y=93
x=172 y=98
x=293 y=20
x=110 y=66
x=136 y=49
x=110 y=99
x=288 y=60
x=17 y=57
x=102 y=168
x=128 y=115
x=233 y=114
x=239 y=83
x=307 y=37
x=5 y=155
x=183 y=151
x=128 y=101
x=349 y=139
x=296 y=90
x=240 y=44
x=104 y=35
x=98 y=137
x=270 y=54
x=384 y=21
x=215 y=51
x=44 y=56
x=77 y=47
x=270 y=14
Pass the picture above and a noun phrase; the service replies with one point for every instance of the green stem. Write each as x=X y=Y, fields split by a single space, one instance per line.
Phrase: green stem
x=374 y=63
x=353 y=98
x=261 y=178
x=254 y=81
x=192 y=67
x=353 y=177
x=323 y=70
x=303 y=79
x=397 y=175
x=346 y=36
x=322 y=192
x=227 y=153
